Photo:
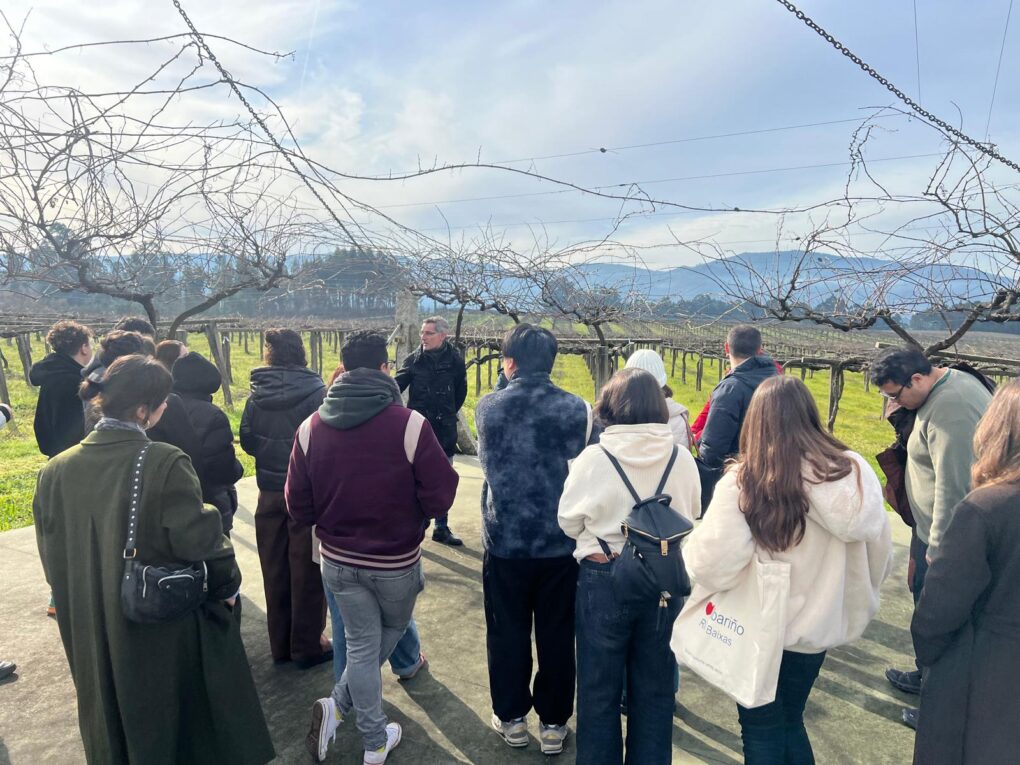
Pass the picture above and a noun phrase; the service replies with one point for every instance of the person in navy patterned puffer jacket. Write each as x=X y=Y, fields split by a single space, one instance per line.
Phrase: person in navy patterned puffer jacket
x=527 y=434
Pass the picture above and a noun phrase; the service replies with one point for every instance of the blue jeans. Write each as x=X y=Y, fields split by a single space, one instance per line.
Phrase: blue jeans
x=613 y=639
x=774 y=734
x=403 y=659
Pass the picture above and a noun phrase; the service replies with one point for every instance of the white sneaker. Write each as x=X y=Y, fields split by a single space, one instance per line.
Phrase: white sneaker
x=378 y=757
x=514 y=732
x=326 y=718
x=551 y=737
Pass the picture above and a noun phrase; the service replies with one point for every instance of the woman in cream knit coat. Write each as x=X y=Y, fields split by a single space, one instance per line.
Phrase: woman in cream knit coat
x=612 y=638
x=798 y=493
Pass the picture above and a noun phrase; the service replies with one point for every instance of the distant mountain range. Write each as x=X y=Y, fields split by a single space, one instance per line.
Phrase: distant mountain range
x=823 y=276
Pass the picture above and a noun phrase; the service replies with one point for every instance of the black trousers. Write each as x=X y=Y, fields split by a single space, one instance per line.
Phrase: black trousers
x=519 y=592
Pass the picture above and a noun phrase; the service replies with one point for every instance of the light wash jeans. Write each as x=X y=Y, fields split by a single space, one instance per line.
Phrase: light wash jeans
x=376 y=607
x=403 y=660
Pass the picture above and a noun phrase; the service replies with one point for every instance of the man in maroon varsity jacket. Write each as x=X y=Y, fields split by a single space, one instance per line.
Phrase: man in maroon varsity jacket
x=368 y=472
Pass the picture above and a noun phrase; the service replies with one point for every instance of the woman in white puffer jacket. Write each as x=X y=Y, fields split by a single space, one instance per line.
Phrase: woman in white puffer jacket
x=800 y=494
x=619 y=645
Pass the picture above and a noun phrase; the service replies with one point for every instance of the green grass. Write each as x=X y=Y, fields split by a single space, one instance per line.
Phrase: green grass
x=859 y=423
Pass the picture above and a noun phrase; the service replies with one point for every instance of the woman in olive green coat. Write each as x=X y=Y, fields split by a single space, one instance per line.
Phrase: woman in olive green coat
x=176 y=692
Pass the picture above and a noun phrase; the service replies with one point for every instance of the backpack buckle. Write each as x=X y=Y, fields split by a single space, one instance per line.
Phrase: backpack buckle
x=664 y=547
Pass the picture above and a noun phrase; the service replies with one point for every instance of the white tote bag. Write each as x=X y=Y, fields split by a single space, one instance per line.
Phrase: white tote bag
x=734 y=639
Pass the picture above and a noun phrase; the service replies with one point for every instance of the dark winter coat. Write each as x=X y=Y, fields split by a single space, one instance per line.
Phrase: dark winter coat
x=59 y=417
x=368 y=472
x=196 y=380
x=281 y=398
x=159 y=694
x=438 y=382
x=527 y=432
x=966 y=631
x=721 y=436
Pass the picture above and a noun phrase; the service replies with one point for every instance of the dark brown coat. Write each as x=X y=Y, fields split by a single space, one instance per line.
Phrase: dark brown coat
x=966 y=631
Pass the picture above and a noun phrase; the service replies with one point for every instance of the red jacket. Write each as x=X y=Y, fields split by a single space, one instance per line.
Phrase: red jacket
x=367 y=491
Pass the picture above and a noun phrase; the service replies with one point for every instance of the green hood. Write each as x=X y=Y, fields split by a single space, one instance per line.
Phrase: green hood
x=358 y=396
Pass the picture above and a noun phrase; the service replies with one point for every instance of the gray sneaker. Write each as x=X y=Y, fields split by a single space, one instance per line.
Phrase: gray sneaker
x=552 y=738
x=514 y=732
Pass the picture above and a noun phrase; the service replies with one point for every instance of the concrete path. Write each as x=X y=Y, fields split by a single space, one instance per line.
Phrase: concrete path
x=852 y=716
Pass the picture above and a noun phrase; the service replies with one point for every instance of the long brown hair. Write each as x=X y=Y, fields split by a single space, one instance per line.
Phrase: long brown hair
x=782 y=431
x=997 y=439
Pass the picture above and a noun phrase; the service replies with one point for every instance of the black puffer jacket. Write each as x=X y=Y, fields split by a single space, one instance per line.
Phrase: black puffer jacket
x=59 y=416
x=721 y=437
x=196 y=379
x=438 y=382
x=281 y=398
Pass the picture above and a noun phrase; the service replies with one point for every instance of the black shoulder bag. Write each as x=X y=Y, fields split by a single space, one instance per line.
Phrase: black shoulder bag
x=155 y=594
x=650 y=567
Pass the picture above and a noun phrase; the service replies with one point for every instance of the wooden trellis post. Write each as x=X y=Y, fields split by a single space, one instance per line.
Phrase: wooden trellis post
x=216 y=349
x=478 y=370
x=699 y=372
x=836 y=382
x=225 y=345
x=25 y=354
x=313 y=345
x=683 y=367
x=262 y=345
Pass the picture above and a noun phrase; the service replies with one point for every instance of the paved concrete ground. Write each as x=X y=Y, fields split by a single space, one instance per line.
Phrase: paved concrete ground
x=852 y=715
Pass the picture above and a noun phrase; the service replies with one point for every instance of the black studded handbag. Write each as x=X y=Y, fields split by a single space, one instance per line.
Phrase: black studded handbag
x=153 y=594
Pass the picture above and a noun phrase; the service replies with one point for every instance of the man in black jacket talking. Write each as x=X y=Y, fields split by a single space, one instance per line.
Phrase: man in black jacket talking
x=436 y=374
x=749 y=367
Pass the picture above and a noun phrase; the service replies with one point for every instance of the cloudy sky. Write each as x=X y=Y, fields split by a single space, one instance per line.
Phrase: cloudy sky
x=694 y=101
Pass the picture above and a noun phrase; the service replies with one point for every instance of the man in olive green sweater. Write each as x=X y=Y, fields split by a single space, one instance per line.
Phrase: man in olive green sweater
x=948 y=405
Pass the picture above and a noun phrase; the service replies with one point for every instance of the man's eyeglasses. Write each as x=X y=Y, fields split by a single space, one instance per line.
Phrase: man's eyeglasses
x=895 y=396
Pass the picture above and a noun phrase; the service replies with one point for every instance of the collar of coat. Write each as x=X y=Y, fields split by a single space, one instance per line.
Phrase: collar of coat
x=114 y=437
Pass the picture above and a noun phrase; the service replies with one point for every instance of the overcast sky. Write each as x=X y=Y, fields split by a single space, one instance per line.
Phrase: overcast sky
x=384 y=86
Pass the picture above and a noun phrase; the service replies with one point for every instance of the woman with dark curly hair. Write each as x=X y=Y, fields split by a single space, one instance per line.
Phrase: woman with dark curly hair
x=283 y=393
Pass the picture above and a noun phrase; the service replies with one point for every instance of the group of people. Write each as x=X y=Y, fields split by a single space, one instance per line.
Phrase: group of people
x=350 y=479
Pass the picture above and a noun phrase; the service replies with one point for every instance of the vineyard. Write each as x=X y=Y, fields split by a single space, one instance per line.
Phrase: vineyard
x=831 y=363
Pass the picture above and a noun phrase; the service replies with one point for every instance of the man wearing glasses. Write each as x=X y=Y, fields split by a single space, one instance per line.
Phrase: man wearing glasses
x=437 y=377
x=948 y=403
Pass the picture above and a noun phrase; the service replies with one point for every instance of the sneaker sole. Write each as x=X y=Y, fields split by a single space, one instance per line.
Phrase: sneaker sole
x=551 y=749
x=515 y=744
x=315 y=733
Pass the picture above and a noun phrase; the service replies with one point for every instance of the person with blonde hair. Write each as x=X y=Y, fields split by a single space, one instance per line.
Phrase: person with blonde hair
x=966 y=626
x=802 y=497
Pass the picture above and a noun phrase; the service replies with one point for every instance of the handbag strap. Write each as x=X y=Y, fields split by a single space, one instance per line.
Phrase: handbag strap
x=630 y=486
x=130 y=550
